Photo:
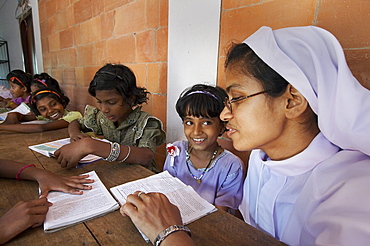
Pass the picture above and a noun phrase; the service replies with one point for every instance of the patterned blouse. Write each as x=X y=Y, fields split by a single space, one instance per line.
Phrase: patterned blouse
x=139 y=129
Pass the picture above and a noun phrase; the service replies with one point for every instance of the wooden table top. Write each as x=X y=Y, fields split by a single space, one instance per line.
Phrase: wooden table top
x=218 y=228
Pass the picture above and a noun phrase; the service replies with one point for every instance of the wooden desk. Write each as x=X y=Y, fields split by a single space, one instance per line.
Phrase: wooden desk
x=218 y=228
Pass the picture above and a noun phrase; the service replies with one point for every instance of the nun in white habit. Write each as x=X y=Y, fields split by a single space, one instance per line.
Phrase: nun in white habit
x=320 y=195
x=294 y=102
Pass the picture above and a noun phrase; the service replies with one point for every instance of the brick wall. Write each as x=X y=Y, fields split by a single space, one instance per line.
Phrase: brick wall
x=348 y=20
x=80 y=36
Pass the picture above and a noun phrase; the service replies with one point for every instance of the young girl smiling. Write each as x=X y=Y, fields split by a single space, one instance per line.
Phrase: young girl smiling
x=48 y=105
x=216 y=174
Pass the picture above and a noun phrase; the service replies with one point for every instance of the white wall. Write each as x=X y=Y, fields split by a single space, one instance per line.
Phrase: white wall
x=39 y=65
x=193 y=37
x=9 y=31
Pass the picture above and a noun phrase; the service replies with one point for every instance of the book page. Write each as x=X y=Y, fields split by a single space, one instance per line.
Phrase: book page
x=49 y=148
x=22 y=109
x=191 y=205
x=162 y=182
x=69 y=209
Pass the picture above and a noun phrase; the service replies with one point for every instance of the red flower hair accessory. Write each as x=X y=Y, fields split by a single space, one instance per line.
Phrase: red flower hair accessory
x=173 y=151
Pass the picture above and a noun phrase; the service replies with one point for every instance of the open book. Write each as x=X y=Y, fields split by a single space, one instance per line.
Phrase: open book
x=191 y=205
x=22 y=109
x=49 y=148
x=69 y=209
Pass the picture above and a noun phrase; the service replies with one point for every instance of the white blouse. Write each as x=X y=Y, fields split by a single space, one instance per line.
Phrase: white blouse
x=320 y=196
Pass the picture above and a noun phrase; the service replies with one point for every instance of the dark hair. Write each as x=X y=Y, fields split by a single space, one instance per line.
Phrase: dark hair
x=120 y=78
x=201 y=100
x=242 y=57
x=47 y=92
x=43 y=80
x=20 y=75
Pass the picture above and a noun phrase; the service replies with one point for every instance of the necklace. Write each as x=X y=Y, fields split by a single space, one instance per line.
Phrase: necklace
x=199 y=179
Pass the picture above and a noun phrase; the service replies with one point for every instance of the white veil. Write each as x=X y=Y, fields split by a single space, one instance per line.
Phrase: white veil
x=312 y=60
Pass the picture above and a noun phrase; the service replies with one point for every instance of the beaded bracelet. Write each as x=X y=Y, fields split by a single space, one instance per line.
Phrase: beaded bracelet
x=20 y=171
x=115 y=149
x=161 y=236
x=128 y=153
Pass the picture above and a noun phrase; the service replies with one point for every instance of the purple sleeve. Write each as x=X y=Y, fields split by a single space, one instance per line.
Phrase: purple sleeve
x=230 y=193
x=166 y=165
x=17 y=100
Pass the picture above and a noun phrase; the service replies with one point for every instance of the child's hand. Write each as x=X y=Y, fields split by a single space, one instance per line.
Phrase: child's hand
x=3 y=102
x=49 y=181
x=21 y=217
x=2 y=99
x=12 y=118
x=69 y=155
x=78 y=136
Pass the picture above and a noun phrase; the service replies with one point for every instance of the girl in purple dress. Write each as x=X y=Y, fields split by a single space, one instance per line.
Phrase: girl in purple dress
x=215 y=173
x=19 y=82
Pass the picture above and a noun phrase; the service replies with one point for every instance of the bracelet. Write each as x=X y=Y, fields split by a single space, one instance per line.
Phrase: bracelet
x=128 y=153
x=20 y=171
x=161 y=236
x=115 y=149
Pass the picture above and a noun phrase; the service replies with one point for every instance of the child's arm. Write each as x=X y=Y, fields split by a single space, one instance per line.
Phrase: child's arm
x=69 y=155
x=4 y=102
x=21 y=217
x=47 y=180
x=32 y=213
x=17 y=118
x=28 y=128
x=74 y=131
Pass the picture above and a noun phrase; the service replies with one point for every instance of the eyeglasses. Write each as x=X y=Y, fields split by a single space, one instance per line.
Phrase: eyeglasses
x=228 y=102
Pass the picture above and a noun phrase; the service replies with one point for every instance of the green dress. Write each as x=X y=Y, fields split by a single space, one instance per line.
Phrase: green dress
x=139 y=129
